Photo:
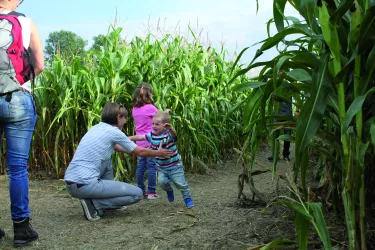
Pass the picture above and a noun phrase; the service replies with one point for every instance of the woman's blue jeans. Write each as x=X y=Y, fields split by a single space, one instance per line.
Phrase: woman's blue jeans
x=17 y=121
x=149 y=164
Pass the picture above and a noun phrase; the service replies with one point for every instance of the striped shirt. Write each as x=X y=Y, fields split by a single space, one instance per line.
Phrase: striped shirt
x=168 y=142
x=96 y=147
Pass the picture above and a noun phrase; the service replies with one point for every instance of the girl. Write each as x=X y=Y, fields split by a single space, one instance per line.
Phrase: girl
x=143 y=112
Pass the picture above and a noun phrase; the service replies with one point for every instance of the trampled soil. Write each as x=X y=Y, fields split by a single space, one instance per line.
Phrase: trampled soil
x=219 y=220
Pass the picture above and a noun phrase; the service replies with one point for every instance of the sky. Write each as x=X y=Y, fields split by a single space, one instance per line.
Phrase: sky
x=234 y=23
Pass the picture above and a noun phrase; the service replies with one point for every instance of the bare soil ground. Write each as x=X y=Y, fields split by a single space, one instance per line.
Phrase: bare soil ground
x=219 y=220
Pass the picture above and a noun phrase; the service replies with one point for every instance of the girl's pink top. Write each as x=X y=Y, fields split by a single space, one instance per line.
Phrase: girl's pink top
x=143 y=121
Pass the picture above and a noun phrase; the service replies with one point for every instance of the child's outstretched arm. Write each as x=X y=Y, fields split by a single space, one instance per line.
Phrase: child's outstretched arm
x=137 y=138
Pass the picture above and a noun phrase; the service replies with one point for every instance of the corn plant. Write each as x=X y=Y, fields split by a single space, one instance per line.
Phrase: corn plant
x=328 y=66
x=186 y=77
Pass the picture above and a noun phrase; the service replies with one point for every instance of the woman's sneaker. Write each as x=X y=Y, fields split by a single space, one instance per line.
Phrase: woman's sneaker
x=152 y=196
x=189 y=203
x=170 y=196
x=89 y=210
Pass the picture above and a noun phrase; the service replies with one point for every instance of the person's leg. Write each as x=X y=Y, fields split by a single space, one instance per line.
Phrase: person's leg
x=140 y=175
x=151 y=174
x=177 y=176
x=19 y=118
x=164 y=182
x=286 y=148
x=274 y=145
x=107 y=194
x=163 y=179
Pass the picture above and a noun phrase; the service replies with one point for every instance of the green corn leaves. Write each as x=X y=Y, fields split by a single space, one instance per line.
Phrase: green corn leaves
x=185 y=76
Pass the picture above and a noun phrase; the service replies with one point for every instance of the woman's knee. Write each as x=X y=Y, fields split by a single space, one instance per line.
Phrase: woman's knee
x=139 y=194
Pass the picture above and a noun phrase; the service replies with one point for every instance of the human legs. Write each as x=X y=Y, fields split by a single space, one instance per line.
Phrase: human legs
x=151 y=174
x=140 y=174
x=286 y=148
x=176 y=175
x=164 y=179
x=275 y=146
x=17 y=122
x=164 y=182
x=106 y=193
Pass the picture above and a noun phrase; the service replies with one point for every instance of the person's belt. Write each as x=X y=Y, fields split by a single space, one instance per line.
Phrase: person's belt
x=71 y=183
x=9 y=94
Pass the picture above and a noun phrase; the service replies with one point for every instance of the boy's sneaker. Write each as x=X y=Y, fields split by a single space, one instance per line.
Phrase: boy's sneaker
x=89 y=210
x=170 y=196
x=152 y=196
x=189 y=203
x=286 y=158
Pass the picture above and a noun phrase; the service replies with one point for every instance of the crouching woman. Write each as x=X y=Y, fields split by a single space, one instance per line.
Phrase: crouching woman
x=89 y=176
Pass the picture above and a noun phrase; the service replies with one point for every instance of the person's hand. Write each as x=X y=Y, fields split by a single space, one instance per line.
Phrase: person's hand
x=296 y=114
x=166 y=153
x=167 y=126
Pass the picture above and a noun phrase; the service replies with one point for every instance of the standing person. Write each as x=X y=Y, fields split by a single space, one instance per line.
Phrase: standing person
x=89 y=176
x=143 y=111
x=170 y=169
x=285 y=109
x=17 y=109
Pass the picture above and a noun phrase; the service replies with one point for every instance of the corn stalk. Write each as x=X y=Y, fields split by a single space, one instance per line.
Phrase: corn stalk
x=328 y=65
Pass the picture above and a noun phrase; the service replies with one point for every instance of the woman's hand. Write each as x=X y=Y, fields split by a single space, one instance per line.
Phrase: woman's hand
x=166 y=153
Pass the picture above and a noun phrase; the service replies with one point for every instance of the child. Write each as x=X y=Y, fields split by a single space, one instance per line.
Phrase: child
x=143 y=111
x=170 y=168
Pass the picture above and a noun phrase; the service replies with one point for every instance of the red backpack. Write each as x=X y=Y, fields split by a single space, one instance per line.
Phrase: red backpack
x=15 y=65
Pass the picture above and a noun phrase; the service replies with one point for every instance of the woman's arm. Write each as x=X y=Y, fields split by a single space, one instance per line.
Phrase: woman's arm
x=137 y=138
x=145 y=152
x=36 y=50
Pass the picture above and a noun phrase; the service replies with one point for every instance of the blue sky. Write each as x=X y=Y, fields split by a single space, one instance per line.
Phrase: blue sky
x=233 y=22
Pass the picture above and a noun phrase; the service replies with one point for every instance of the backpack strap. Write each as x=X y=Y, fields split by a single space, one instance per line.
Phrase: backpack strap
x=15 y=13
x=26 y=51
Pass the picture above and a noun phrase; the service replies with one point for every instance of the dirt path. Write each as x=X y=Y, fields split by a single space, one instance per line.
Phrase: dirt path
x=219 y=221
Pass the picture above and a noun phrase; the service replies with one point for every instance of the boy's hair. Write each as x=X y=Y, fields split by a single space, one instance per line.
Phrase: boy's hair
x=110 y=112
x=164 y=116
x=142 y=95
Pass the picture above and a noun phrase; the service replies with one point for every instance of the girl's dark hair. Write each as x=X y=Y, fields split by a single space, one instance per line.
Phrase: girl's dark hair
x=142 y=95
x=110 y=112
